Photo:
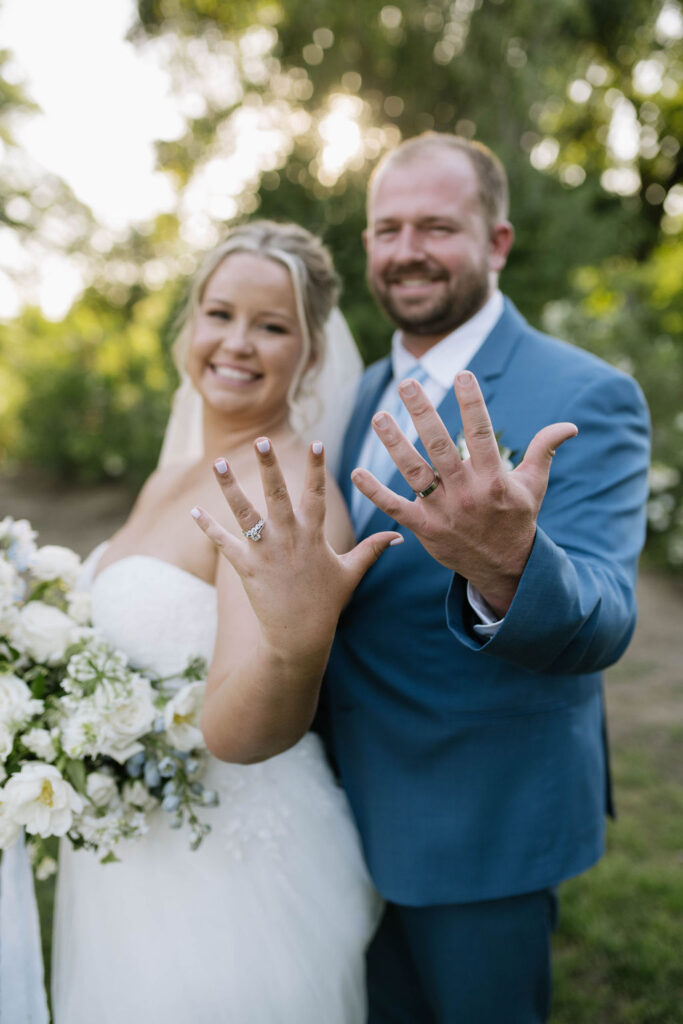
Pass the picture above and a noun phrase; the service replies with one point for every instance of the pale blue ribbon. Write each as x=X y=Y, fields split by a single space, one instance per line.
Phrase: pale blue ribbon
x=22 y=986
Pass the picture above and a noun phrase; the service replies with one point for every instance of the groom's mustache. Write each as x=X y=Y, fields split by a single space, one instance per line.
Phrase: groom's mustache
x=396 y=274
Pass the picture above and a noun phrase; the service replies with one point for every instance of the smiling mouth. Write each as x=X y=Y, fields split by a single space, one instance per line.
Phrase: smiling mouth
x=232 y=373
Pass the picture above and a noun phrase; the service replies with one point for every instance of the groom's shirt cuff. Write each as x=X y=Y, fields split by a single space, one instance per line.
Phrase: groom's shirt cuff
x=489 y=623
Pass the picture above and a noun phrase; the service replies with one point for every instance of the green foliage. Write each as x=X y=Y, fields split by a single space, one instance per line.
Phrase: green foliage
x=92 y=393
x=631 y=314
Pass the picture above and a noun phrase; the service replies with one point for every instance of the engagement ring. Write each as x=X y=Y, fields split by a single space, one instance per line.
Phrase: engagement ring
x=255 y=532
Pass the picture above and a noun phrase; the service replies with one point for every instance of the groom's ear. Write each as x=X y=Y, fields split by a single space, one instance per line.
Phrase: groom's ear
x=500 y=243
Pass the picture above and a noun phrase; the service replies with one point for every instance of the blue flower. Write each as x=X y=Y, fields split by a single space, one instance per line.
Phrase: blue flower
x=152 y=776
x=135 y=764
x=167 y=767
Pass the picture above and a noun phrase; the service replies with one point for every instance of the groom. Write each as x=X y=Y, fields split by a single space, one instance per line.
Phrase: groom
x=464 y=692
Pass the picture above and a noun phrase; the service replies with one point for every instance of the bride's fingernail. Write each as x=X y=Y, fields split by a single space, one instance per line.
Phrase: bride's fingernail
x=263 y=445
x=221 y=466
x=395 y=541
x=317 y=447
x=196 y=512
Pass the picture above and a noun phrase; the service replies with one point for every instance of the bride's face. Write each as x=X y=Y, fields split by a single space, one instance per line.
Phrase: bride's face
x=246 y=342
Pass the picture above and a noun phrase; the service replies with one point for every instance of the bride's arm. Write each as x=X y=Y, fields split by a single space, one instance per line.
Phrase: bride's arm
x=282 y=598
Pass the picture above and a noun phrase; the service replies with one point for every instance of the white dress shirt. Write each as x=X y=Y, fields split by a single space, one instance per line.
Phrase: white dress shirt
x=441 y=363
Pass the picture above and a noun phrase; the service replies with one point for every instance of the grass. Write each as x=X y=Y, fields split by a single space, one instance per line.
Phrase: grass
x=619 y=947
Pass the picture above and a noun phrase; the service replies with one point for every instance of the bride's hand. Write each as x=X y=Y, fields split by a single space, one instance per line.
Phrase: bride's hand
x=296 y=583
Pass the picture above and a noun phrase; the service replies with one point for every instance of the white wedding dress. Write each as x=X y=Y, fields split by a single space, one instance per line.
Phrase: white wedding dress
x=267 y=922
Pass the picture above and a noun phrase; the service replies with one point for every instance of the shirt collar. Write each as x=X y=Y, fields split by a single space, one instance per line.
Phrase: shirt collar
x=455 y=351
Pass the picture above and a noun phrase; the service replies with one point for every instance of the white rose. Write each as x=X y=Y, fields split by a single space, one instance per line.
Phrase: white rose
x=43 y=632
x=80 y=606
x=16 y=702
x=125 y=719
x=101 y=788
x=39 y=742
x=9 y=827
x=53 y=562
x=181 y=717
x=41 y=800
x=136 y=794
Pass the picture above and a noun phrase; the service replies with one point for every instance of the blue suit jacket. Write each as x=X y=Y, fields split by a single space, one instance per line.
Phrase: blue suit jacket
x=478 y=770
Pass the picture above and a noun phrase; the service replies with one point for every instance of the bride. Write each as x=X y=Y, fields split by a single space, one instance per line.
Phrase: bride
x=268 y=921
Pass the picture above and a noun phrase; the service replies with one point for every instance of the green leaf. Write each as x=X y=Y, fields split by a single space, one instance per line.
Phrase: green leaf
x=75 y=772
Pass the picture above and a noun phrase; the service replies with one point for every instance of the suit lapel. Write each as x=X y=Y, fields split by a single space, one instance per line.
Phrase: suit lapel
x=488 y=366
x=373 y=384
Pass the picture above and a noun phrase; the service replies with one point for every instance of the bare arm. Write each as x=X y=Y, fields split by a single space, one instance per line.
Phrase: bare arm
x=283 y=596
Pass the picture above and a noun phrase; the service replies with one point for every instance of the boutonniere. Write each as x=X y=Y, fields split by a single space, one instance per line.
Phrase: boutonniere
x=507 y=455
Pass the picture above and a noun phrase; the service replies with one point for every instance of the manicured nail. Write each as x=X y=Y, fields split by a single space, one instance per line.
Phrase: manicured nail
x=196 y=512
x=465 y=378
x=263 y=445
x=317 y=447
x=395 y=541
x=381 y=420
x=408 y=387
x=221 y=466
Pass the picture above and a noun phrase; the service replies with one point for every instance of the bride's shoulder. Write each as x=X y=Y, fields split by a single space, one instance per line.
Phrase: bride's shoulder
x=166 y=482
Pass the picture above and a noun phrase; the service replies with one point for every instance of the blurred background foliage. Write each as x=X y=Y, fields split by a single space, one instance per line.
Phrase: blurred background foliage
x=286 y=107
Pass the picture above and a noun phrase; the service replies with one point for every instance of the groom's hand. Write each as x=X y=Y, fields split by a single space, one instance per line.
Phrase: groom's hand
x=480 y=519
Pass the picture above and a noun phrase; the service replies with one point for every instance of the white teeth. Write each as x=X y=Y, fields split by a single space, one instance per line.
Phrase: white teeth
x=231 y=373
x=414 y=282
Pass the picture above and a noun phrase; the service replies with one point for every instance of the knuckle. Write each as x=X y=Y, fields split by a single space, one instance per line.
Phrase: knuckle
x=279 y=493
x=440 y=445
x=243 y=513
x=416 y=473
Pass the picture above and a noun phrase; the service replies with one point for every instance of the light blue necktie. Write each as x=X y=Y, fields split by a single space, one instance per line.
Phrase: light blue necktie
x=379 y=462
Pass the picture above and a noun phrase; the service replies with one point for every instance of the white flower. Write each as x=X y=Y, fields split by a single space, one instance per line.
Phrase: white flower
x=80 y=606
x=53 y=562
x=9 y=615
x=101 y=788
x=46 y=869
x=181 y=717
x=81 y=729
x=16 y=703
x=17 y=536
x=9 y=580
x=125 y=716
x=9 y=827
x=43 y=632
x=6 y=744
x=41 y=800
x=39 y=742
x=136 y=794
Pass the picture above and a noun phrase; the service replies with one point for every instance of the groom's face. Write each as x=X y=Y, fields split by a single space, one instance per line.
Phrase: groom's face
x=431 y=255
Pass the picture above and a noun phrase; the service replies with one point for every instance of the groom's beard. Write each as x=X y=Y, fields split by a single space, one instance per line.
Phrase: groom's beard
x=457 y=303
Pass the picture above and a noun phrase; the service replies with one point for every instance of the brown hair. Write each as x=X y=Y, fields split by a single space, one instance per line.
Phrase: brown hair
x=493 y=183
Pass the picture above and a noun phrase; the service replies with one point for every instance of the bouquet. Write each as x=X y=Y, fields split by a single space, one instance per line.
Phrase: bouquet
x=89 y=747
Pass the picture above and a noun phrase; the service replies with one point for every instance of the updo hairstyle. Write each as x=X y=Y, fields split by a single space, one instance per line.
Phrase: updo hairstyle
x=314 y=280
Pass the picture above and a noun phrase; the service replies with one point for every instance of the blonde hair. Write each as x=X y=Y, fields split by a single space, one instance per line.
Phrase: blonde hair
x=314 y=281
x=490 y=173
